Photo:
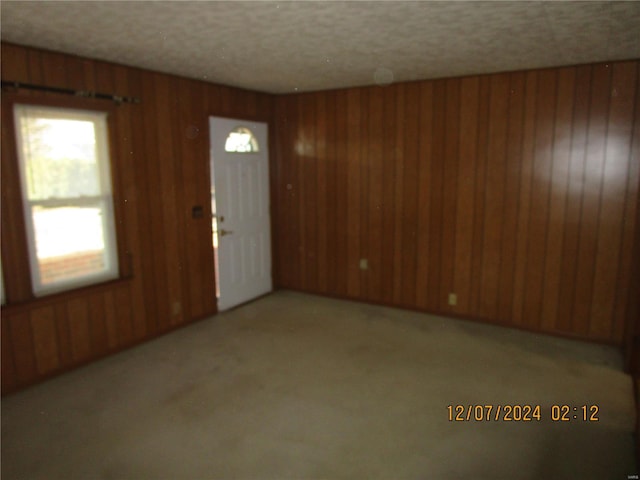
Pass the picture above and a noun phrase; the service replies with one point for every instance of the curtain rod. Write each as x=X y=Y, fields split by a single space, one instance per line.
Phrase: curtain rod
x=67 y=91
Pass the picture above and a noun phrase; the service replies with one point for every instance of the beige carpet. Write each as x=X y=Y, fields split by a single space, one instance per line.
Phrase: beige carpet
x=297 y=386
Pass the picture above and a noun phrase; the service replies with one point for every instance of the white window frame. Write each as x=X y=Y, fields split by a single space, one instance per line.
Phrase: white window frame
x=104 y=201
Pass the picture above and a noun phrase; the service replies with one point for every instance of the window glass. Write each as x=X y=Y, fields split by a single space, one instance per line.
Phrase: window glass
x=62 y=157
x=241 y=140
x=64 y=165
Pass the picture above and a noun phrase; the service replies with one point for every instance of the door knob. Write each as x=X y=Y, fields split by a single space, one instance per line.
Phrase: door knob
x=222 y=232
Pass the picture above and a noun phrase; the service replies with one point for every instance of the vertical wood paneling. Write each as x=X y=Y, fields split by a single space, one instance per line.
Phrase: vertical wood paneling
x=477 y=252
x=122 y=298
x=168 y=181
x=627 y=302
x=22 y=346
x=310 y=179
x=204 y=258
x=302 y=199
x=127 y=131
x=97 y=324
x=465 y=207
x=494 y=198
x=36 y=61
x=160 y=168
x=631 y=341
x=410 y=193
x=43 y=327
x=9 y=379
x=613 y=194
x=374 y=162
x=539 y=208
x=449 y=192
x=425 y=133
x=518 y=192
x=398 y=177
x=514 y=191
x=78 y=314
x=283 y=191
x=341 y=193
x=298 y=196
x=184 y=142
x=363 y=278
x=513 y=167
x=591 y=197
x=388 y=174
x=524 y=199
x=435 y=203
x=74 y=67
x=49 y=68
x=333 y=206
x=557 y=196
x=110 y=320
x=63 y=336
x=352 y=160
x=280 y=191
x=322 y=211
x=573 y=211
x=15 y=63
x=154 y=208
x=13 y=233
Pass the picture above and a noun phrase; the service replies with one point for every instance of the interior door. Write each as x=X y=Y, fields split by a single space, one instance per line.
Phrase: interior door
x=240 y=204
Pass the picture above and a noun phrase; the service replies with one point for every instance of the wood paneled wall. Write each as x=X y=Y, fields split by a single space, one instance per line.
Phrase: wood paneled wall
x=162 y=165
x=515 y=191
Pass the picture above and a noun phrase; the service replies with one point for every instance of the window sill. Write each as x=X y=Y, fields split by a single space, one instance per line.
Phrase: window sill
x=68 y=295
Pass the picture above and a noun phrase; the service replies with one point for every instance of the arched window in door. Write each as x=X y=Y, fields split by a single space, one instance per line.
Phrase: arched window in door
x=241 y=140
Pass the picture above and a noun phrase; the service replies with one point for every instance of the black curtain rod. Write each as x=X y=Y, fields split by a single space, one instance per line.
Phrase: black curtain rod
x=67 y=91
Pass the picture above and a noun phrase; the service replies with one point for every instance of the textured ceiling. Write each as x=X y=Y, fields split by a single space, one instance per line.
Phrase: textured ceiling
x=283 y=47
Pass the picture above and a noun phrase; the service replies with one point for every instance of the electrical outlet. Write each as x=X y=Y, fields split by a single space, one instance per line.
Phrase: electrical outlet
x=364 y=264
x=453 y=299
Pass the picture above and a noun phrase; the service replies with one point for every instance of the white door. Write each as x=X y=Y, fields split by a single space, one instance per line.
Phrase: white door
x=240 y=205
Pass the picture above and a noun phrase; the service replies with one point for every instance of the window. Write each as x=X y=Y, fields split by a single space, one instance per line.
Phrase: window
x=241 y=140
x=66 y=189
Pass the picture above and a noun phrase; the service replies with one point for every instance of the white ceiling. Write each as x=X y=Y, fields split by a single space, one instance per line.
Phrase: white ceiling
x=279 y=47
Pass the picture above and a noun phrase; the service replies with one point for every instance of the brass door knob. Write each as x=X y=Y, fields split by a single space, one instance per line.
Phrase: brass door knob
x=222 y=232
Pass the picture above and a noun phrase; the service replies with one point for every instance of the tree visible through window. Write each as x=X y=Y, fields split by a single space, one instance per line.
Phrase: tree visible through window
x=66 y=187
x=241 y=140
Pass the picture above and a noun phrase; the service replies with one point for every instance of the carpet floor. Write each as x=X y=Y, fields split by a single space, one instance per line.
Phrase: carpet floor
x=304 y=387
